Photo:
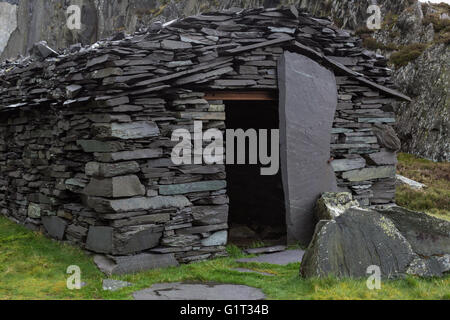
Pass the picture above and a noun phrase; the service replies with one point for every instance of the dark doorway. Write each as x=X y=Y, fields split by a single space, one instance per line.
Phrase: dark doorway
x=257 y=209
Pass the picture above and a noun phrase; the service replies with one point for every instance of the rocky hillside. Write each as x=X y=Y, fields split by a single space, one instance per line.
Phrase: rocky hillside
x=415 y=36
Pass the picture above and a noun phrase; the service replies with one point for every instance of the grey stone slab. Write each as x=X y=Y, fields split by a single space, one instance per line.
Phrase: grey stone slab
x=136 y=240
x=243 y=270
x=55 y=226
x=265 y=250
x=129 y=155
x=207 y=215
x=108 y=170
x=348 y=164
x=115 y=285
x=410 y=183
x=370 y=173
x=279 y=258
x=308 y=100
x=200 y=291
x=116 y=187
x=216 y=239
x=107 y=72
x=103 y=205
x=100 y=239
x=134 y=130
x=113 y=265
x=99 y=146
x=175 y=45
x=383 y=158
x=201 y=186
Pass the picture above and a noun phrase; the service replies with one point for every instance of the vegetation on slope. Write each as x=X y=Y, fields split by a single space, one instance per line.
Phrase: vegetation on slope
x=435 y=199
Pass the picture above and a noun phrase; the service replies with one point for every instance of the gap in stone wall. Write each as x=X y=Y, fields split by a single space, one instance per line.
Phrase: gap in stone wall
x=257 y=208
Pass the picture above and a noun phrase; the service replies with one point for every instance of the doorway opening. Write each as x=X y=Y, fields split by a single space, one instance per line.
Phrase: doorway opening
x=257 y=213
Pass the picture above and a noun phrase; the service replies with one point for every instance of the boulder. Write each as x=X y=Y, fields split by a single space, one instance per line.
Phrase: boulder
x=331 y=205
x=397 y=240
x=428 y=236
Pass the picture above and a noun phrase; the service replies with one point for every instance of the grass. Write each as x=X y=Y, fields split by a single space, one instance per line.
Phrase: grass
x=34 y=267
x=435 y=199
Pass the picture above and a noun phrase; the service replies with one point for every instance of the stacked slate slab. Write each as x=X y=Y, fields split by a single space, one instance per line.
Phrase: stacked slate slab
x=85 y=133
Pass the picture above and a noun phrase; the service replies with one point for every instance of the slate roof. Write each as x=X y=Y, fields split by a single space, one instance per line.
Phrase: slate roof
x=190 y=52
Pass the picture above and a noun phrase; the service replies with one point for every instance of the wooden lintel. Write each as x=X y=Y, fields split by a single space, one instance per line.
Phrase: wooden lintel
x=241 y=95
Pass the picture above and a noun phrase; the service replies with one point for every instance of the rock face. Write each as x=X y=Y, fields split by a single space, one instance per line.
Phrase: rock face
x=398 y=241
x=424 y=124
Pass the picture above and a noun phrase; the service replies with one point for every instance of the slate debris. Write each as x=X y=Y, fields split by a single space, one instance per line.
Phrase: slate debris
x=107 y=111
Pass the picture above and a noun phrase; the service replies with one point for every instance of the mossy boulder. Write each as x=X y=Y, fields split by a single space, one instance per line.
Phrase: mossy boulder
x=398 y=241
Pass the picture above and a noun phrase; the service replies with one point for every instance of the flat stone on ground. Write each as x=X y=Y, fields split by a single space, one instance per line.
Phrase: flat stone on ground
x=200 y=291
x=265 y=250
x=114 y=285
x=281 y=258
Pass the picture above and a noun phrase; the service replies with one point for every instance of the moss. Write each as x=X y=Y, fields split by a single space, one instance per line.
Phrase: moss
x=406 y=54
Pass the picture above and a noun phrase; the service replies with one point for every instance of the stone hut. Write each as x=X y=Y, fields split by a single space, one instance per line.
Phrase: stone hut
x=86 y=133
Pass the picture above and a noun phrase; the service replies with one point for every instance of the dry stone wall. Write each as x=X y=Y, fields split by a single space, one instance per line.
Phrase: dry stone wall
x=85 y=135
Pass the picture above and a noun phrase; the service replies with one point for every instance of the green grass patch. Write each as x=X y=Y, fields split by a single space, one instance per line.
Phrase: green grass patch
x=34 y=267
x=435 y=199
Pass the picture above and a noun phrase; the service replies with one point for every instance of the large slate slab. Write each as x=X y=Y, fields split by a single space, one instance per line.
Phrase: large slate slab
x=200 y=291
x=281 y=258
x=308 y=101
x=136 y=263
